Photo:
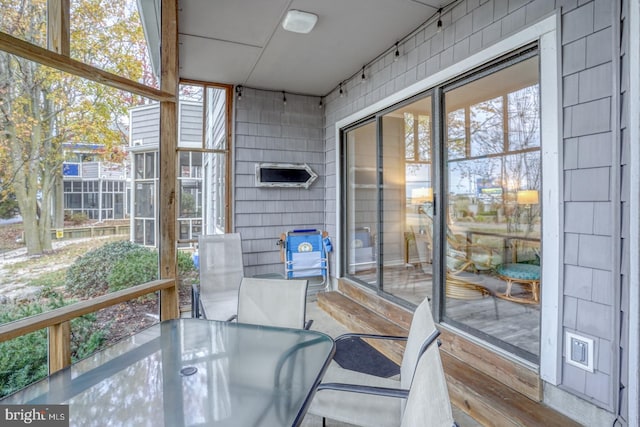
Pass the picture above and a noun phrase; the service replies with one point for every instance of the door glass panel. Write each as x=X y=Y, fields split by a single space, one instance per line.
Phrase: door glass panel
x=361 y=204
x=492 y=216
x=407 y=197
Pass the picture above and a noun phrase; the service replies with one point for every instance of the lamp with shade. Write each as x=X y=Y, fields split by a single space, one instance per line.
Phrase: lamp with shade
x=421 y=195
x=527 y=197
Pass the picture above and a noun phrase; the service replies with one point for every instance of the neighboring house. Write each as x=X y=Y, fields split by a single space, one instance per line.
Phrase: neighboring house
x=193 y=166
x=94 y=188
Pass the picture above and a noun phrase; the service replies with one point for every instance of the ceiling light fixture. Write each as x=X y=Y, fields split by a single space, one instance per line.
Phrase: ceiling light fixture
x=341 y=91
x=397 y=54
x=284 y=98
x=298 y=21
x=320 y=104
x=439 y=24
x=239 y=92
x=363 y=76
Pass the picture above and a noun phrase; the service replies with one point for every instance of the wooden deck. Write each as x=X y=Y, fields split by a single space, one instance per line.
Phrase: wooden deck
x=514 y=323
x=491 y=389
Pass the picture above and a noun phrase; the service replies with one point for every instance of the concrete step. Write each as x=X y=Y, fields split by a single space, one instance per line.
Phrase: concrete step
x=481 y=396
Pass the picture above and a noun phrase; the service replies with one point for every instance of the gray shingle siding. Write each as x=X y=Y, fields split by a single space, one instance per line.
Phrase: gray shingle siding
x=145 y=125
x=190 y=123
x=266 y=130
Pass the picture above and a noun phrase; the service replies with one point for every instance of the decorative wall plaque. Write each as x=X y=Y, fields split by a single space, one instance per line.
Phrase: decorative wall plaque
x=284 y=175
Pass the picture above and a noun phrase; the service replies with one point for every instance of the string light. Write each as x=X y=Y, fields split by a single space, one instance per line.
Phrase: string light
x=284 y=98
x=239 y=92
x=396 y=51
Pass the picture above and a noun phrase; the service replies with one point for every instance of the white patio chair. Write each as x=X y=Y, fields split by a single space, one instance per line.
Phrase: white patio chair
x=221 y=270
x=342 y=396
x=427 y=400
x=273 y=302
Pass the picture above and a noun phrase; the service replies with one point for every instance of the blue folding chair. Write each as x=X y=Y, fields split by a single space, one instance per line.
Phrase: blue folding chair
x=305 y=254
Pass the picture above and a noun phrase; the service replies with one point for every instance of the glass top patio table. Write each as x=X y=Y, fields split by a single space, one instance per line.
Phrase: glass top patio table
x=192 y=372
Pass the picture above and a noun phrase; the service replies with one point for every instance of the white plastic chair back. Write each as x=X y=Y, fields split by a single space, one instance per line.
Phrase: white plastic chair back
x=221 y=270
x=422 y=326
x=273 y=302
x=428 y=404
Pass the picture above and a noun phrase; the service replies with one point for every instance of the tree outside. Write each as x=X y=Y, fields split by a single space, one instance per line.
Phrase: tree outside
x=42 y=108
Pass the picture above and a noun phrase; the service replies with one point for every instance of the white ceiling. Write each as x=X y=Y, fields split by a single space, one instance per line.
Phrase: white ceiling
x=242 y=41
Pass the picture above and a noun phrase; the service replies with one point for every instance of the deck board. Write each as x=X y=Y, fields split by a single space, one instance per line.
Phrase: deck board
x=478 y=394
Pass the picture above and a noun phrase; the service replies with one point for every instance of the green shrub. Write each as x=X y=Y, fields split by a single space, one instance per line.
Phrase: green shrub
x=88 y=275
x=23 y=360
x=141 y=266
x=185 y=262
x=8 y=207
x=134 y=268
x=110 y=268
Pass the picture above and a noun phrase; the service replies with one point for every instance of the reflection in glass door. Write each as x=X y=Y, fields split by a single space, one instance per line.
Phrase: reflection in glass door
x=407 y=201
x=491 y=208
x=389 y=202
x=361 y=194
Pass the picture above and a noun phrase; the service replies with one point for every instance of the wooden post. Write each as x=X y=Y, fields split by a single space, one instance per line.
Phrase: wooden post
x=58 y=33
x=167 y=209
x=58 y=40
x=59 y=346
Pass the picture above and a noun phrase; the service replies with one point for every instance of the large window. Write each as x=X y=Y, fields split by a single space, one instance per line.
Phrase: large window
x=462 y=210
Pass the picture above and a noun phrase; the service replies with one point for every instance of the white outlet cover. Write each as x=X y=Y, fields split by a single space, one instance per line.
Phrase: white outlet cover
x=590 y=353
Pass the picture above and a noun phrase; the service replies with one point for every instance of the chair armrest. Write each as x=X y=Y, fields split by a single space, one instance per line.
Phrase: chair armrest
x=308 y=324
x=365 y=389
x=374 y=336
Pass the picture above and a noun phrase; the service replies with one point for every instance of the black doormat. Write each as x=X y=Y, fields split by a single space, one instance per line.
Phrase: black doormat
x=355 y=354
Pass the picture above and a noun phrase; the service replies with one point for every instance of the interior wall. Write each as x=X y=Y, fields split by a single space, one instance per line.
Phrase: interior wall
x=588 y=281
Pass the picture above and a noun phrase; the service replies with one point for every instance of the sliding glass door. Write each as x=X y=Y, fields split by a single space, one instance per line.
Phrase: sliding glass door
x=442 y=202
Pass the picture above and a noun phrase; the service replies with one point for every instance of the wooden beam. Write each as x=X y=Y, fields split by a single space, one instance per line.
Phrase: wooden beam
x=59 y=346
x=167 y=209
x=34 y=323
x=58 y=33
x=60 y=62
